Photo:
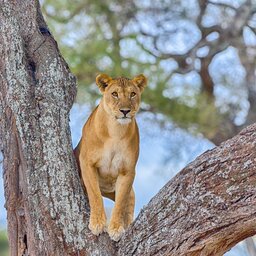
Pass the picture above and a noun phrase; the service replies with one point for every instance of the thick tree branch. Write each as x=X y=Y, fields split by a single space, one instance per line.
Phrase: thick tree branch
x=206 y=209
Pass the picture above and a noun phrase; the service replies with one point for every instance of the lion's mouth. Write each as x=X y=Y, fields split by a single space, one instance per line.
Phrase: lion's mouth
x=124 y=119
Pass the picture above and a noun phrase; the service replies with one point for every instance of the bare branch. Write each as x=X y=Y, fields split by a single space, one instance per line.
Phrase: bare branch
x=253 y=29
x=224 y=5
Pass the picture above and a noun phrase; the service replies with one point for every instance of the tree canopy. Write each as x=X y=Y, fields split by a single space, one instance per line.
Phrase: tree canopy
x=199 y=55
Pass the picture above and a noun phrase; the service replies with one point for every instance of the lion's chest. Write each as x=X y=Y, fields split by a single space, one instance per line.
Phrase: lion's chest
x=113 y=159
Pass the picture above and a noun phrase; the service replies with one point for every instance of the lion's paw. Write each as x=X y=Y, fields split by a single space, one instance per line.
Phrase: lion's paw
x=97 y=225
x=115 y=232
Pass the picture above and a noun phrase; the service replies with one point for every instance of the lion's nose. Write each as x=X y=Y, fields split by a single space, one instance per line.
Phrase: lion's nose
x=125 y=111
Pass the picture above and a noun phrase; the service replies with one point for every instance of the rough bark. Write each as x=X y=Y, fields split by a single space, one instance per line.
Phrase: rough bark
x=206 y=209
x=47 y=211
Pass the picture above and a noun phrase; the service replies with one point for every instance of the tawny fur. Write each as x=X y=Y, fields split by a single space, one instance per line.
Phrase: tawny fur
x=108 y=151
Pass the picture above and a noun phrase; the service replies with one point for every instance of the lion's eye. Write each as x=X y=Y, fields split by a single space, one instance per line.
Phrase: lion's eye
x=133 y=94
x=115 y=94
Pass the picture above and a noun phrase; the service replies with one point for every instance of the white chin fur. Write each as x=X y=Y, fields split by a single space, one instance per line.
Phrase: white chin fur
x=123 y=121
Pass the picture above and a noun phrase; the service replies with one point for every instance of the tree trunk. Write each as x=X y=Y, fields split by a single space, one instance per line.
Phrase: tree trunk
x=47 y=210
x=205 y=210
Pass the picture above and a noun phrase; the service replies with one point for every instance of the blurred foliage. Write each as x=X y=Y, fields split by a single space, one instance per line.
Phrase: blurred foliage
x=4 y=247
x=161 y=39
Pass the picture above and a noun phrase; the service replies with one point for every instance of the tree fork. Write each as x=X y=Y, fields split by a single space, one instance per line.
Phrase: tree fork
x=205 y=210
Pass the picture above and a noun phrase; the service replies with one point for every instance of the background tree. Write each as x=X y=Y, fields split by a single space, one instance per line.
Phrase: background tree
x=177 y=44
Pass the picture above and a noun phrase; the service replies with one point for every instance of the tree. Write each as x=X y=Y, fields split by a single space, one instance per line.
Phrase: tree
x=105 y=22
x=166 y=40
x=207 y=208
x=229 y=26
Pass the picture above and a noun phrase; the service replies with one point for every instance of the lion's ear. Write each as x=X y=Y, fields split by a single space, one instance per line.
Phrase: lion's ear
x=140 y=81
x=102 y=81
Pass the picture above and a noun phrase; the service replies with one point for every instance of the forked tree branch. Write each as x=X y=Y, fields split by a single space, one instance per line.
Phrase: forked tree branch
x=205 y=210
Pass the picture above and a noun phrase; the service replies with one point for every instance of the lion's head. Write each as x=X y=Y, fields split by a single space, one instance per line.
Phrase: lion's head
x=121 y=96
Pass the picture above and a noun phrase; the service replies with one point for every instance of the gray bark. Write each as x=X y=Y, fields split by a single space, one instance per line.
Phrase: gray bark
x=47 y=210
x=205 y=210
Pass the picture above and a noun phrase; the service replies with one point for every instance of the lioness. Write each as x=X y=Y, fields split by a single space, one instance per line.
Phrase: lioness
x=108 y=151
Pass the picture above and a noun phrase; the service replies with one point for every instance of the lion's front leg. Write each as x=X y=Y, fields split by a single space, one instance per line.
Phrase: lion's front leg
x=117 y=221
x=129 y=210
x=97 y=223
